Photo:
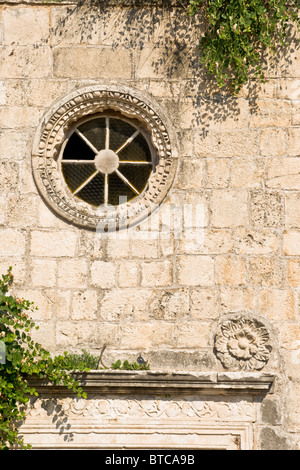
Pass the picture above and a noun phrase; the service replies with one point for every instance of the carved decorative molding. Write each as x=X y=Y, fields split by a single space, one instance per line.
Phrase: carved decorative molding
x=148 y=410
x=243 y=344
x=160 y=382
x=52 y=132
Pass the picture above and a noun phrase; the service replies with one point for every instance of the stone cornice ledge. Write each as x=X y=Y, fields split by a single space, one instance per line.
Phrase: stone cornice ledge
x=159 y=382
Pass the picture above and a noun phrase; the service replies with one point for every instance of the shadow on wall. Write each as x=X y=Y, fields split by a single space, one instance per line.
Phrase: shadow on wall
x=164 y=37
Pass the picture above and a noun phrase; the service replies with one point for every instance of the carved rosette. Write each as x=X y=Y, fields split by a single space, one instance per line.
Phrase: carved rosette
x=52 y=133
x=243 y=344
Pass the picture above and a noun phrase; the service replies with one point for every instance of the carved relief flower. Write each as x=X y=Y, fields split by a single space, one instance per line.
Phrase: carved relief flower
x=243 y=344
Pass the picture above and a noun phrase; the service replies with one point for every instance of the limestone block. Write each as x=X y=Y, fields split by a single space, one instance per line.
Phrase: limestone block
x=128 y=274
x=283 y=173
x=41 y=300
x=12 y=242
x=294 y=141
x=255 y=242
x=190 y=174
x=14 y=143
x=138 y=336
x=116 y=248
x=12 y=92
x=294 y=273
x=22 y=210
x=61 y=300
x=53 y=243
x=2 y=93
x=75 y=26
x=84 y=305
x=22 y=62
x=230 y=144
x=271 y=113
x=266 y=209
x=125 y=304
x=9 y=176
x=292 y=209
x=225 y=113
x=233 y=299
x=145 y=249
x=85 y=334
x=273 y=142
x=230 y=270
x=195 y=270
x=45 y=335
x=160 y=62
x=296 y=113
x=217 y=173
x=103 y=274
x=229 y=208
x=156 y=273
x=265 y=271
x=171 y=304
x=247 y=173
x=277 y=304
x=197 y=240
x=193 y=334
x=72 y=273
x=288 y=88
x=13 y=117
x=43 y=92
x=204 y=303
x=217 y=241
x=19 y=269
x=291 y=242
x=25 y=25
x=46 y=218
x=91 y=62
x=43 y=272
x=163 y=335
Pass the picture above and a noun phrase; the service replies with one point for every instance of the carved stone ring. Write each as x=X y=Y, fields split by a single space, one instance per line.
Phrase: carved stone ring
x=82 y=179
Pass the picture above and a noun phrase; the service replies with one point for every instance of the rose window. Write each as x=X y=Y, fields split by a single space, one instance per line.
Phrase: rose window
x=107 y=160
x=103 y=155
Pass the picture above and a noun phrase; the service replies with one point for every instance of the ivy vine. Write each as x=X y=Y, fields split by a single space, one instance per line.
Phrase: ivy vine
x=20 y=358
x=239 y=33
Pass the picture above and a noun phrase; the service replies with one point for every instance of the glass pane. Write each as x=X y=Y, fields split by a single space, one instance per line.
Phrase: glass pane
x=120 y=131
x=138 y=175
x=93 y=192
x=94 y=131
x=137 y=150
x=117 y=188
x=77 y=149
x=75 y=174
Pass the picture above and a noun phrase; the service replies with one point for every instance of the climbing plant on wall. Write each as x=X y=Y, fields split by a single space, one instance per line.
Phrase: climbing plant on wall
x=20 y=358
x=239 y=33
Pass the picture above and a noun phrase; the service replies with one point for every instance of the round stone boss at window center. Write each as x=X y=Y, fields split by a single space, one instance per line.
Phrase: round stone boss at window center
x=101 y=148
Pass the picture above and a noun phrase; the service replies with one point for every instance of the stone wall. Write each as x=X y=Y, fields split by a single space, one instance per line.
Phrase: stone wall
x=166 y=297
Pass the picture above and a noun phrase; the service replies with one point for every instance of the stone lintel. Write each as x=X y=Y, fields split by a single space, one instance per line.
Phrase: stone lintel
x=159 y=382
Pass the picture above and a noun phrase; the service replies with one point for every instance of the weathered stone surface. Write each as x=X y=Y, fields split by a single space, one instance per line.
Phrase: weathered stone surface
x=163 y=288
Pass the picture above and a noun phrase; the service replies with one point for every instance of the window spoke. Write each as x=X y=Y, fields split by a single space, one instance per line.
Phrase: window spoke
x=133 y=162
x=106 y=189
x=78 y=161
x=86 y=182
x=128 y=141
x=107 y=133
x=122 y=177
x=92 y=147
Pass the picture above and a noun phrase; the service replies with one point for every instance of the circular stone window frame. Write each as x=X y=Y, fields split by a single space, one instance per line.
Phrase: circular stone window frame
x=55 y=128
